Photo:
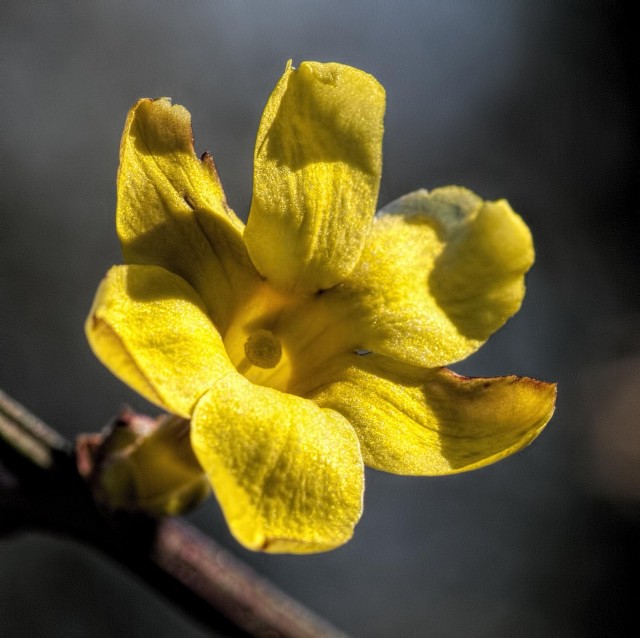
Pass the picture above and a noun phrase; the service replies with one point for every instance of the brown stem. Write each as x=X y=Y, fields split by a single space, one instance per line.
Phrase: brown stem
x=37 y=466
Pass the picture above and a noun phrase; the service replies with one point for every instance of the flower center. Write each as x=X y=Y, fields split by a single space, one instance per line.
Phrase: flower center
x=263 y=349
x=281 y=341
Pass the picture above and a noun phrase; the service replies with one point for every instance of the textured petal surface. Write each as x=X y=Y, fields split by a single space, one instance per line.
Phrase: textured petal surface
x=316 y=175
x=287 y=474
x=413 y=420
x=439 y=274
x=172 y=211
x=150 y=328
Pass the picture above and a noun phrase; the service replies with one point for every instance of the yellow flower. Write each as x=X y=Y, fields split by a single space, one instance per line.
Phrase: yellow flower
x=311 y=341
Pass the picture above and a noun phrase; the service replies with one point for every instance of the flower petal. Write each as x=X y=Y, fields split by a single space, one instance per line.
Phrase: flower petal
x=439 y=274
x=172 y=211
x=317 y=170
x=287 y=474
x=150 y=328
x=418 y=421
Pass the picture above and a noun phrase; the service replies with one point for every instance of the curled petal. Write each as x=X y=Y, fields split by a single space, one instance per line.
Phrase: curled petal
x=172 y=210
x=418 y=421
x=287 y=474
x=150 y=328
x=439 y=274
x=317 y=170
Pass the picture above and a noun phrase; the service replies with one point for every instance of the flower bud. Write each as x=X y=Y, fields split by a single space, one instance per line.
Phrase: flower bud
x=143 y=464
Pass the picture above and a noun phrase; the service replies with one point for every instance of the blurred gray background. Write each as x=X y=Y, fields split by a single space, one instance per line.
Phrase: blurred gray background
x=536 y=102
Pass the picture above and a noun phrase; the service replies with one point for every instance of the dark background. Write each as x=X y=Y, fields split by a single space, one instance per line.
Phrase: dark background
x=536 y=102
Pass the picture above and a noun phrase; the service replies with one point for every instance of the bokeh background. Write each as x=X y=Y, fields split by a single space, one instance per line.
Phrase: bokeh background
x=535 y=102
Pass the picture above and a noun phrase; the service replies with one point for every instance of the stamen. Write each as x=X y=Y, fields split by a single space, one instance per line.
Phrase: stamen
x=263 y=349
